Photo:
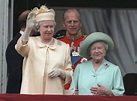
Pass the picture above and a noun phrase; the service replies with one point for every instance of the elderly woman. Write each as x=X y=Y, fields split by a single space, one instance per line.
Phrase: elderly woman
x=47 y=63
x=97 y=76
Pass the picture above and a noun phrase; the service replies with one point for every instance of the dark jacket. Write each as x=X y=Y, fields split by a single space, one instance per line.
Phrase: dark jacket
x=14 y=67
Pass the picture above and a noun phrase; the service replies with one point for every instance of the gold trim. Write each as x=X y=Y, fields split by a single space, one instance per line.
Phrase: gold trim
x=76 y=36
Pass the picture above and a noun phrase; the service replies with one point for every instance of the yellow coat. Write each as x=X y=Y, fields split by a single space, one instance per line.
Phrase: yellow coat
x=39 y=60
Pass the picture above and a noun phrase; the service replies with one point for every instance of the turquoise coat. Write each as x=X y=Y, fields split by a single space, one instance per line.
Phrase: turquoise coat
x=108 y=75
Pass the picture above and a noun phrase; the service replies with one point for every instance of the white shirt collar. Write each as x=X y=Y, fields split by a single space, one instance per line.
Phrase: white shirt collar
x=21 y=32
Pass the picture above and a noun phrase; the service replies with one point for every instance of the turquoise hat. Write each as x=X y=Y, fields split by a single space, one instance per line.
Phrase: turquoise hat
x=92 y=38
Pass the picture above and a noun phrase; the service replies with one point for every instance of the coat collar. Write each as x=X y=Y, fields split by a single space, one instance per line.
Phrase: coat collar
x=42 y=45
x=73 y=37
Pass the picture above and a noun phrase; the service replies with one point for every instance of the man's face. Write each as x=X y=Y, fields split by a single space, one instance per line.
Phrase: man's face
x=72 y=22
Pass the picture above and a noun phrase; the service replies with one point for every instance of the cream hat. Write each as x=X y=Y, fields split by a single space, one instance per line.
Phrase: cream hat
x=43 y=13
x=92 y=38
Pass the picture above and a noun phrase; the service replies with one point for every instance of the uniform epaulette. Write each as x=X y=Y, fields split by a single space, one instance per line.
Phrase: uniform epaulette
x=60 y=34
x=59 y=37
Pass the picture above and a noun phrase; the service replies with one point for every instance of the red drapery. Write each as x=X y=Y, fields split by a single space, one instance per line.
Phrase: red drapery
x=22 y=97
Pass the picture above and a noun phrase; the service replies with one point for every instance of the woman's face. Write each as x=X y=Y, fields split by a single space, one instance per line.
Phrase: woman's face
x=98 y=51
x=46 y=29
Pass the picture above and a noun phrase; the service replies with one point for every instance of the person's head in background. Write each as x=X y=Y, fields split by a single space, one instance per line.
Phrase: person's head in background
x=22 y=19
x=22 y=22
x=72 y=21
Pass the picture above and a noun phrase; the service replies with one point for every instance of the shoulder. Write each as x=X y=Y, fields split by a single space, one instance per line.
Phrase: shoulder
x=84 y=64
x=10 y=47
x=62 y=46
x=11 y=44
x=60 y=43
x=111 y=65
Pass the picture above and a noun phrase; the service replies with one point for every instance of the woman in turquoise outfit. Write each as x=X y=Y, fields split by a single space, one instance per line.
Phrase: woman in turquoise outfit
x=98 y=76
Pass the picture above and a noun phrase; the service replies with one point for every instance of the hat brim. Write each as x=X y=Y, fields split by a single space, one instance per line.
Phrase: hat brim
x=92 y=38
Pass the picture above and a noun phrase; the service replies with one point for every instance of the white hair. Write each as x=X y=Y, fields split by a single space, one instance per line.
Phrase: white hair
x=105 y=45
x=37 y=25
